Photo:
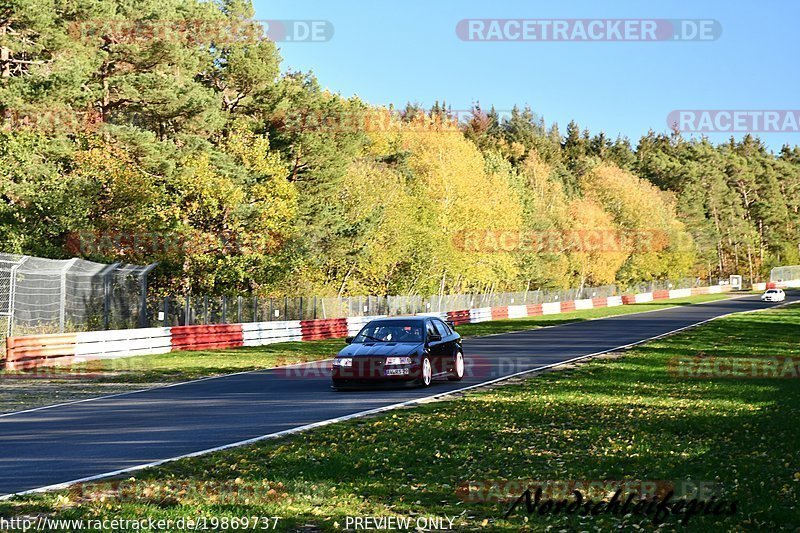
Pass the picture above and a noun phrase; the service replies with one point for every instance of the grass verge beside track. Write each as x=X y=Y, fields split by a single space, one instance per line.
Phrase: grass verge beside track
x=628 y=418
x=25 y=390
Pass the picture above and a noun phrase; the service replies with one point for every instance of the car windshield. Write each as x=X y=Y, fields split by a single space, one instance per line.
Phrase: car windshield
x=772 y=292
x=391 y=331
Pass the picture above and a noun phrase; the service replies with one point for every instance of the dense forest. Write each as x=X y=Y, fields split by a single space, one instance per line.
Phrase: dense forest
x=143 y=131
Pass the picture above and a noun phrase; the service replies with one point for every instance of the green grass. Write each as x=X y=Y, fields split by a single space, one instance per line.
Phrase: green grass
x=627 y=418
x=44 y=387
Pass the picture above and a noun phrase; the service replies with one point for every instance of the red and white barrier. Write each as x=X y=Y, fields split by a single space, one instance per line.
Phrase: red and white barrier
x=263 y=333
x=551 y=308
x=567 y=306
x=355 y=323
x=791 y=284
x=210 y=337
x=481 y=314
x=326 y=328
x=517 y=311
x=122 y=343
x=437 y=314
x=459 y=317
x=67 y=348
x=679 y=293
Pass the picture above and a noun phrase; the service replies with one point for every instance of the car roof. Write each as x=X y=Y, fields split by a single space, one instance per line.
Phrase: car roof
x=401 y=318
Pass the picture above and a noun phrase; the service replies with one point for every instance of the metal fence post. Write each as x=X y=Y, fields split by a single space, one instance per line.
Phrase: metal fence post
x=143 y=295
x=239 y=309
x=62 y=305
x=166 y=311
x=224 y=310
x=107 y=294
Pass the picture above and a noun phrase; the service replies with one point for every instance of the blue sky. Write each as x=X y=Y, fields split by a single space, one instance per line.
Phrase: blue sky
x=394 y=52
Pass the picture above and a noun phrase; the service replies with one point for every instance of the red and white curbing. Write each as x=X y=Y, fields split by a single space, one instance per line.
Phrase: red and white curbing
x=69 y=348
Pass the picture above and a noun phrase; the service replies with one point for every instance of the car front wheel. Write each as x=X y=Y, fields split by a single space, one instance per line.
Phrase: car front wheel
x=426 y=373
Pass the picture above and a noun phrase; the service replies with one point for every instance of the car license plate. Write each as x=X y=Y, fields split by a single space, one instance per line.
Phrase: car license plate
x=396 y=371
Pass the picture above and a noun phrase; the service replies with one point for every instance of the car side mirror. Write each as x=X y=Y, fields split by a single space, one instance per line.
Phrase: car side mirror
x=451 y=324
x=432 y=337
x=349 y=340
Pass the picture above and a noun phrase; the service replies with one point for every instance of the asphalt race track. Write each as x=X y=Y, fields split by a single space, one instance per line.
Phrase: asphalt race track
x=69 y=442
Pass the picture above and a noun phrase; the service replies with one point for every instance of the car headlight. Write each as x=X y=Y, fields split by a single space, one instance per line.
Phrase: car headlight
x=343 y=361
x=398 y=361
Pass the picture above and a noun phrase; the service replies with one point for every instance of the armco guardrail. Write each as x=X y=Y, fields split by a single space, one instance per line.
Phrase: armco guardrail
x=263 y=333
x=65 y=348
x=213 y=337
x=68 y=348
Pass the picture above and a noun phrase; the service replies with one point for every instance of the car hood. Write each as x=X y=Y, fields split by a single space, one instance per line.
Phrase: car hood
x=381 y=349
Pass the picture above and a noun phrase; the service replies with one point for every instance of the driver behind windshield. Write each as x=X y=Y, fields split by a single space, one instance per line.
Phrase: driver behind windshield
x=385 y=332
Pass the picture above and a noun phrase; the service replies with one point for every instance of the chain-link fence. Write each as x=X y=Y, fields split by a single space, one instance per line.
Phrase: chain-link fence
x=187 y=310
x=50 y=296
x=785 y=273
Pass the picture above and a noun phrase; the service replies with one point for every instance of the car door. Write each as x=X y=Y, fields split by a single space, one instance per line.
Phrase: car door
x=436 y=347
x=448 y=344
